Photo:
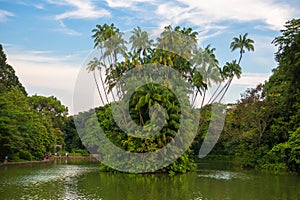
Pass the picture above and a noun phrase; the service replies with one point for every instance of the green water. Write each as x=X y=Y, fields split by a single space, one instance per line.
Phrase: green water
x=78 y=180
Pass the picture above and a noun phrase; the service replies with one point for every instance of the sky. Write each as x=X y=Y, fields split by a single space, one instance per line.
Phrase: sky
x=48 y=41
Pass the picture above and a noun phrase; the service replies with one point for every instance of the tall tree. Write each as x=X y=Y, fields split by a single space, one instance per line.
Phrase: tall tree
x=140 y=41
x=240 y=43
x=8 y=78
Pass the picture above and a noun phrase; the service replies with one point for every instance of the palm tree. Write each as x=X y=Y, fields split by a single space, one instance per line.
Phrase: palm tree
x=109 y=40
x=230 y=70
x=210 y=69
x=140 y=41
x=242 y=43
x=92 y=66
x=207 y=65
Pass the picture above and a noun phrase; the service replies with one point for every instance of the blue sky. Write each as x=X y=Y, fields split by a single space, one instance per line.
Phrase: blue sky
x=47 y=41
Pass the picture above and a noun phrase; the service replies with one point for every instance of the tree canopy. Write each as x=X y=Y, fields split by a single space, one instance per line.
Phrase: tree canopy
x=30 y=126
x=262 y=129
x=174 y=49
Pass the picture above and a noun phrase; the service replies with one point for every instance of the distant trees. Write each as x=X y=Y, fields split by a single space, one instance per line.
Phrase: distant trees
x=22 y=130
x=30 y=126
x=262 y=129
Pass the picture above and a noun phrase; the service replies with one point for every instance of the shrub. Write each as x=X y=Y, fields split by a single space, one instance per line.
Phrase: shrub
x=26 y=155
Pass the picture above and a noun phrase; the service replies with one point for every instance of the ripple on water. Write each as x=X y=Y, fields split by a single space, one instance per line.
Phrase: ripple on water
x=223 y=175
x=62 y=173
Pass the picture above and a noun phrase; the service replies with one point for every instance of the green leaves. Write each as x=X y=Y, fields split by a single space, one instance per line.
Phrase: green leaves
x=29 y=126
x=21 y=127
x=8 y=78
x=242 y=43
x=232 y=69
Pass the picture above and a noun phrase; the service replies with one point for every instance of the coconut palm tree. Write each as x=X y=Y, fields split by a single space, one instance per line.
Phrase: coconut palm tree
x=242 y=43
x=109 y=40
x=93 y=65
x=210 y=69
x=140 y=41
x=207 y=65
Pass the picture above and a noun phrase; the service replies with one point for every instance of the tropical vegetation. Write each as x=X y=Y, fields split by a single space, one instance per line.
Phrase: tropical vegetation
x=261 y=129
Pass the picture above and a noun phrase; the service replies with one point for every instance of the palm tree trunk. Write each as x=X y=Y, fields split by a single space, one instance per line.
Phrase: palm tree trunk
x=209 y=101
x=241 y=55
x=98 y=89
x=203 y=98
x=219 y=93
x=103 y=86
x=229 y=82
x=194 y=99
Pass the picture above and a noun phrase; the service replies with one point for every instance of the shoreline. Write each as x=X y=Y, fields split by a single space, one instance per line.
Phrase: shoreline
x=26 y=163
x=50 y=160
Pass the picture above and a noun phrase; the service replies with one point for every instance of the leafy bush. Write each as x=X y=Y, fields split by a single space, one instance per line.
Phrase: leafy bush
x=284 y=156
x=26 y=155
x=39 y=155
x=80 y=152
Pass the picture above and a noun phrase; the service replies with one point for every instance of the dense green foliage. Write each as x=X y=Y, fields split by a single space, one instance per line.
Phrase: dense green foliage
x=71 y=137
x=262 y=129
x=30 y=126
x=8 y=78
x=175 y=49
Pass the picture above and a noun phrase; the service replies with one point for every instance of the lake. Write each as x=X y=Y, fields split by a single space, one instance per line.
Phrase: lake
x=83 y=180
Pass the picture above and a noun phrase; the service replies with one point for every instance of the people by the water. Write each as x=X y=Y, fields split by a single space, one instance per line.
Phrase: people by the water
x=6 y=159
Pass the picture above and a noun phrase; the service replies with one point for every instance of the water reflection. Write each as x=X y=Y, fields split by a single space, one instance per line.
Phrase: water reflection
x=84 y=181
x=223 y=175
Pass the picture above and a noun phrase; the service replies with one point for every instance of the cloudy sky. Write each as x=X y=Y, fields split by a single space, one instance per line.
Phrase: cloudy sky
x=47 y=41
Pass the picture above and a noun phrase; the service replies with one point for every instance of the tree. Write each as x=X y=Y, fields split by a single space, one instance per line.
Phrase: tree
x=240 y=43
x=140 y=41
x=108 y=39
x=22 y=129
x=54 y=116
x=174 y=49
x=8 y=78
x=72 y=139
x=262 y=129
x=210 y=69
x=50 y=107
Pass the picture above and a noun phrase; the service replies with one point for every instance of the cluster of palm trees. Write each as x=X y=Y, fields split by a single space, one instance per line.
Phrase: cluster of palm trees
x=176 y=48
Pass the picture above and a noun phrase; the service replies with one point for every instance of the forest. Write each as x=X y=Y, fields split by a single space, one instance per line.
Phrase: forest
x=261 y=130
x=30 y=126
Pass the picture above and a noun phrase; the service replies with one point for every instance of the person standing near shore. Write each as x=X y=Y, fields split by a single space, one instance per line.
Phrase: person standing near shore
x=6 y=159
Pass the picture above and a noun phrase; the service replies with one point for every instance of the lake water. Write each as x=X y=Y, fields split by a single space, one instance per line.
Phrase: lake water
x=83 y=180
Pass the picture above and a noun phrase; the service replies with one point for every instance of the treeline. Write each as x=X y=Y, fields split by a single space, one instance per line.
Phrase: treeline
x=262 y=129
x=31 y=126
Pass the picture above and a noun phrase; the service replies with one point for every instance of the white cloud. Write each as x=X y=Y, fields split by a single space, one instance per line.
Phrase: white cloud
x=214 y=11
x=125 y=3
x=67 y=30
x=44 y=73
x=5 y=14
x=251 y=79
x=39 y=6
x=82 y=10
